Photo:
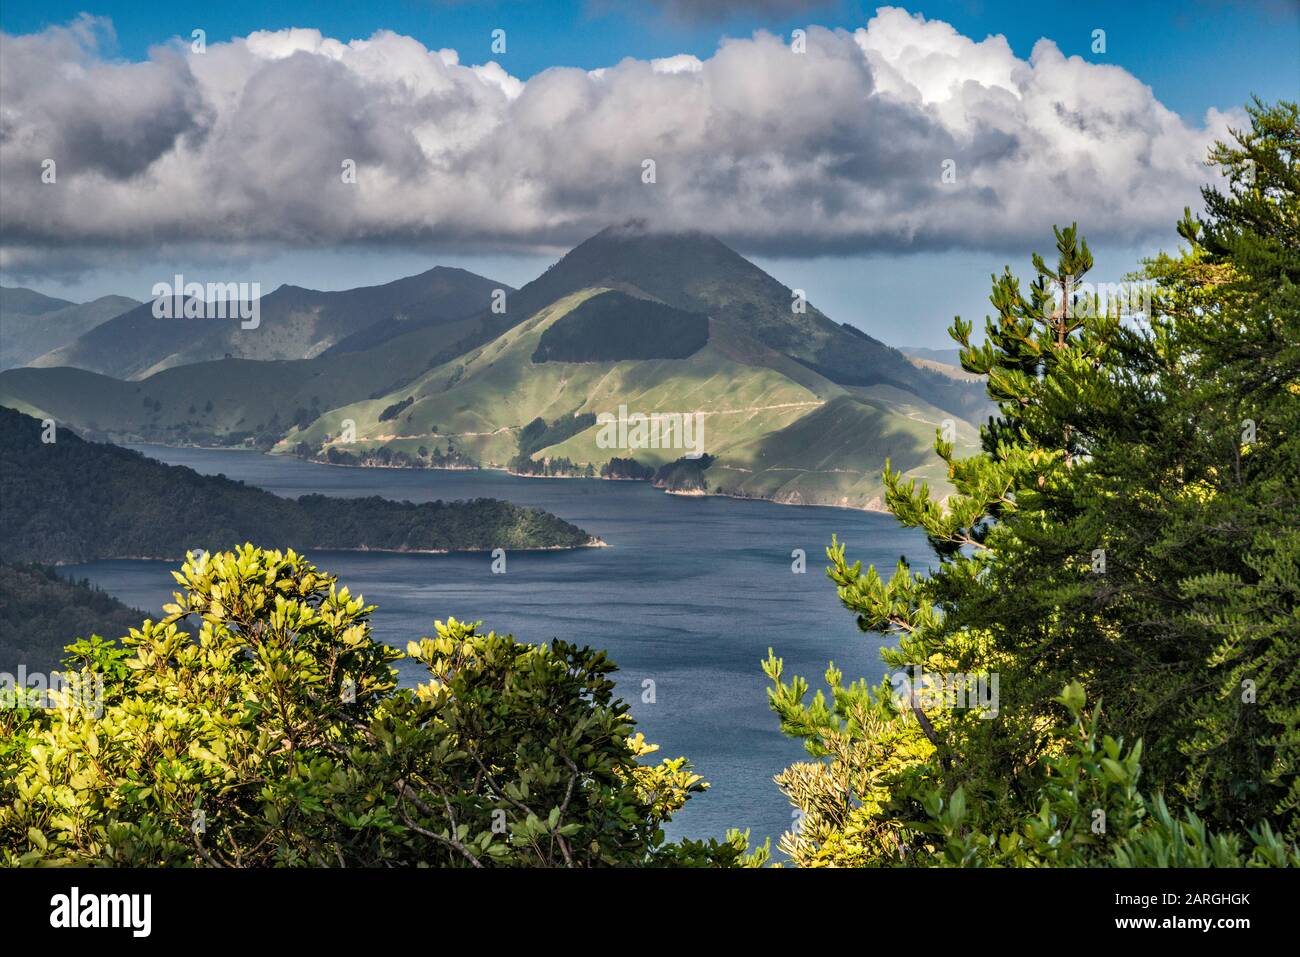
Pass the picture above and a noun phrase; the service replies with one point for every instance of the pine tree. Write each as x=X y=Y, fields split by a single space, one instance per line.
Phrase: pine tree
x=1131 y=522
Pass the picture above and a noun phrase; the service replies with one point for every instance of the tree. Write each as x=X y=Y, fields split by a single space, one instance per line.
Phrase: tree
x=1233 y=299
x=258 y=723
x=1090 y=813
x=1131 y=522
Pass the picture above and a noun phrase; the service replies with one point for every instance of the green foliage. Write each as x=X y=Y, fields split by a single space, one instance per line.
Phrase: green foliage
x=550 y=467
x=259 y=724
x=685 y=474
x=1235 y=299
x=396 y=409
x=537 y=435
x=1132 y=523
x=626 y=468
x=384 y=457
x=852 y=800
x=1089 y=813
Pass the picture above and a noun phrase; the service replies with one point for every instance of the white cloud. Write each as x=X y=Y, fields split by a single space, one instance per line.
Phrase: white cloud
x=681 y=63
x=840 y=148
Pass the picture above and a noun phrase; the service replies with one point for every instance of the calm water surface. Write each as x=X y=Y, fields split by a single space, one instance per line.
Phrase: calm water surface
x=691 y=594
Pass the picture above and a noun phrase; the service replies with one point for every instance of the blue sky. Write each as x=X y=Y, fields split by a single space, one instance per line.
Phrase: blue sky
x=1195 y=56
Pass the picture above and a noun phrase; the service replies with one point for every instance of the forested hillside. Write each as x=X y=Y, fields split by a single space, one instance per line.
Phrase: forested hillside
x=71 y=500
x=41 y=613
x=614 y=326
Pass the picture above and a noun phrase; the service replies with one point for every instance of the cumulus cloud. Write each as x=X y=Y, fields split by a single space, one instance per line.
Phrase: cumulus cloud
x=839 y=148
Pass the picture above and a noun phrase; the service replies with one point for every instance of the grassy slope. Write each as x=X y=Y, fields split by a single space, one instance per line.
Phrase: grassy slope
x=778 y=429
x=835 y=454
x=483 y=399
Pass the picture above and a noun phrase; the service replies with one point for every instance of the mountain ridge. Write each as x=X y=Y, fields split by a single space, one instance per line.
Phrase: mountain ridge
x=26 y=334
x=294 y=323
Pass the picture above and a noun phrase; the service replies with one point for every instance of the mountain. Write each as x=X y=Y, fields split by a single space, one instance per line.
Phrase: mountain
x=29 y=302
x=944 y=361
x=695 y=272
x=794 y=407
x=41 y=614
x=293 y=323
x=32 y=324
x=949 y=357
x=773 y=427
x=71 y=501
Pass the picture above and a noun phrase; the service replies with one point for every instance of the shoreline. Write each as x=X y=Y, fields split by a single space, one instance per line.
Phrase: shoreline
x=684 y=493
x=594 y=542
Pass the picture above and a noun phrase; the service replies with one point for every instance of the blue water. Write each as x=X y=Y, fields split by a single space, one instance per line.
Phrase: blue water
x=690 y=595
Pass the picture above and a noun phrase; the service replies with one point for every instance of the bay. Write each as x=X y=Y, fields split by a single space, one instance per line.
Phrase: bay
x=687 y=600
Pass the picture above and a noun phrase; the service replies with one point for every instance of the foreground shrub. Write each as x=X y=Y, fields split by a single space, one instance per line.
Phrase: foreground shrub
x=258 y=723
